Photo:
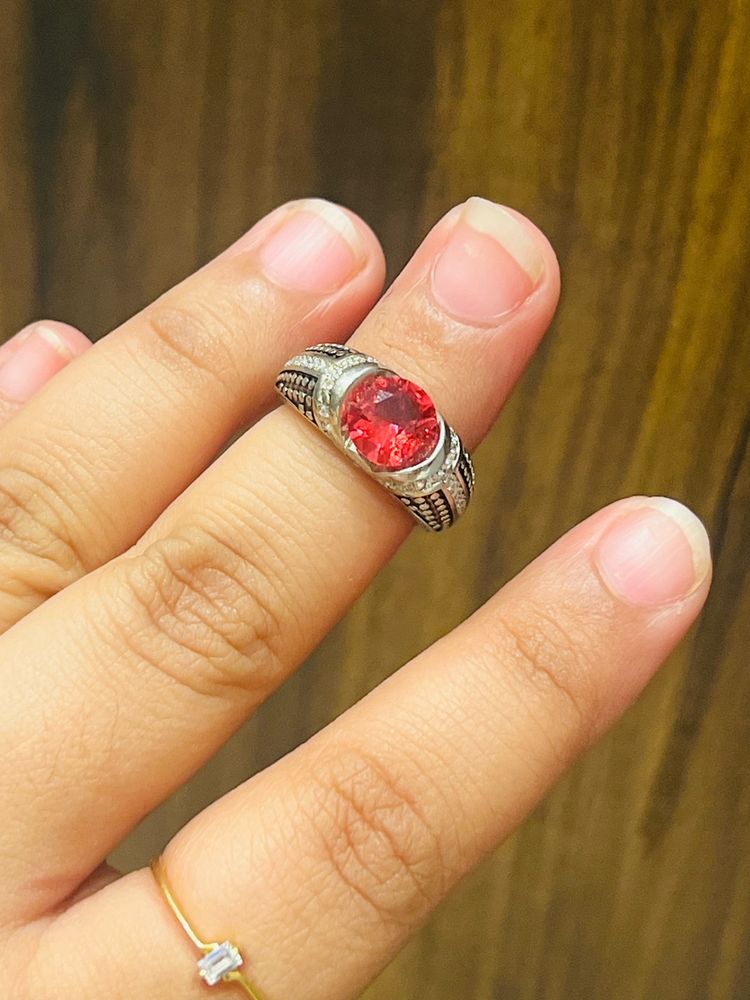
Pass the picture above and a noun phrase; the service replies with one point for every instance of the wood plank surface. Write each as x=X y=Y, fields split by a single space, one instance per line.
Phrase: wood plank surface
x=139 y=139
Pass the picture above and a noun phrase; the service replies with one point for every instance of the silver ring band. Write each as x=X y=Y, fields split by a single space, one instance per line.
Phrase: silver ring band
x=321 y=383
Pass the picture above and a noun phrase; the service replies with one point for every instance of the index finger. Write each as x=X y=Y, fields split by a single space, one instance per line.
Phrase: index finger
x=357 y=835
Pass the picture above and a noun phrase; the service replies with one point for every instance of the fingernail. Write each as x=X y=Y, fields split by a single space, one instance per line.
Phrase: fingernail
x=489 y=266
x=40 y=354
x=317 y=249
x=10 y=346
x=655 y=554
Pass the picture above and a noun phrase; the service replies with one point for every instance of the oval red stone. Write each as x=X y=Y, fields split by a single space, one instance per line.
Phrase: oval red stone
x=391 y=422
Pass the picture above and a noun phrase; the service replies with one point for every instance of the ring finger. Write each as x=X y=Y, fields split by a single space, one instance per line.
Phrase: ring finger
x=160 y=655
x=87 y=465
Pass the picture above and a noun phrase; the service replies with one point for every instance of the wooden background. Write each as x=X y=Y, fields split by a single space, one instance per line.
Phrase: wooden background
x=139 y=139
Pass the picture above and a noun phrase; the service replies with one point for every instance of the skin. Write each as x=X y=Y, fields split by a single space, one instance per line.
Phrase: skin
x=151 y=599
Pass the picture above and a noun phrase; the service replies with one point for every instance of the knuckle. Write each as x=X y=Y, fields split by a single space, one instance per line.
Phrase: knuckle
x=203 y=612
x=197 y=337
x=553 y=653
x=37 y=534
x=375 y=839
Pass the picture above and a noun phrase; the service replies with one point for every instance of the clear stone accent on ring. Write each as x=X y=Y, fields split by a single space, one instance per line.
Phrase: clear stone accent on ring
x=390 y=421
x=222 y=959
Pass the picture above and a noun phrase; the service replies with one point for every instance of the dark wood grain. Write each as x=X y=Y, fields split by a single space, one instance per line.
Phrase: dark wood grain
x=139 y=139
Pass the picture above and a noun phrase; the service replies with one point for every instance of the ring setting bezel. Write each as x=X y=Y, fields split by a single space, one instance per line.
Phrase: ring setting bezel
x=317 y=382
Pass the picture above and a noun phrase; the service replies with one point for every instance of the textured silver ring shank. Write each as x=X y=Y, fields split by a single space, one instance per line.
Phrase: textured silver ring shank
x=436 y=492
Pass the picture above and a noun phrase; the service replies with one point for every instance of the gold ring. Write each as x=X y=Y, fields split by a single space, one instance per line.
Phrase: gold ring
x=221 y=961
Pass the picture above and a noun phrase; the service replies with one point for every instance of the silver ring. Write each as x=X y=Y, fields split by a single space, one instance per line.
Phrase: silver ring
x=386 y=425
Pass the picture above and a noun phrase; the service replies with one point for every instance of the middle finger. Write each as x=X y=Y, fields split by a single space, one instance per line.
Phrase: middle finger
x=178 y=641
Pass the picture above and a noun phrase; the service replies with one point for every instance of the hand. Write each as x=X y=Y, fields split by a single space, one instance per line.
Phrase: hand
x=148 y=607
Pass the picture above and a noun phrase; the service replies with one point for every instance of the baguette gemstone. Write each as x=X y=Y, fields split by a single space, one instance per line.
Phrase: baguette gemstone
x=222 y=959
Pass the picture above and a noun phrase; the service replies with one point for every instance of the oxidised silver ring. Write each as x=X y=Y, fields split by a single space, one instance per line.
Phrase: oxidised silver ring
x=385 y=424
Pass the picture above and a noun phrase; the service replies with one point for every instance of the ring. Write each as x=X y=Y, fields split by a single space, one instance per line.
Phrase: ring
x=221 y=960
x=385 y=424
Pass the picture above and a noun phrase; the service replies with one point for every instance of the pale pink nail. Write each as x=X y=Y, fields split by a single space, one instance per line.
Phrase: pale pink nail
x=316 y=249
x=654 y=554
x=489 y=266
x=34 y=355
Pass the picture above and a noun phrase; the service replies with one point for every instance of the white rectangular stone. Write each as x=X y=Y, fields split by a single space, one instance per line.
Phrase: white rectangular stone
x=217 y=963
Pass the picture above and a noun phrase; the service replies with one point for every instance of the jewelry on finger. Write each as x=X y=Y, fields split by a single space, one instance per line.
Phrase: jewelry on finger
x=386 y=425
x=221 y=961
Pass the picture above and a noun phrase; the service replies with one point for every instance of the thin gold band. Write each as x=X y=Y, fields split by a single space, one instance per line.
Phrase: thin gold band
x=207 y=947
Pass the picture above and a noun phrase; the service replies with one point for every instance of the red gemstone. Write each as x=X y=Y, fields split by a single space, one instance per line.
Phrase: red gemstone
x=391 y=421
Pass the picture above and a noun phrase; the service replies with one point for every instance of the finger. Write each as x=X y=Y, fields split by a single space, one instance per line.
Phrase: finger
x=85 y=468
x=165 y=652
x=322 y=866
x=31 y=358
